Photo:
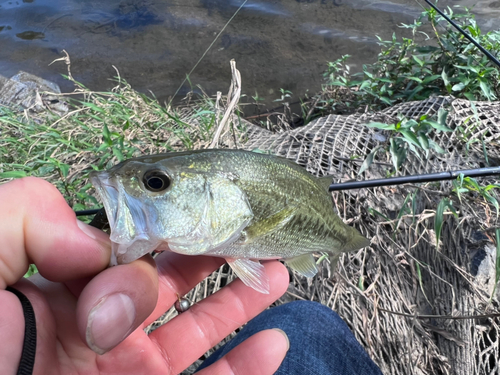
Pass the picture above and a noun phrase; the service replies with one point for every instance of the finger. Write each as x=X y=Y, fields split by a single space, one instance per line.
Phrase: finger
x=186 y=337
x=38 y=226
x=116 y=302
x=46 y=357
x=177 y=275
x=12 y=332
x=269 y=346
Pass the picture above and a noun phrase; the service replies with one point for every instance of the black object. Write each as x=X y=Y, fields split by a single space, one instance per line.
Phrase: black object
x=29 y=345
x=441 y=176
x=87 y=212
x=100 y=220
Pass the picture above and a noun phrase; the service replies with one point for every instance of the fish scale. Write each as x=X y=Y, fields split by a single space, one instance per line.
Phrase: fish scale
x=240 y=205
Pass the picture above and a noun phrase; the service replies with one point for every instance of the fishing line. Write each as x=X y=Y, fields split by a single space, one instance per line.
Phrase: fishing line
x=206 y=51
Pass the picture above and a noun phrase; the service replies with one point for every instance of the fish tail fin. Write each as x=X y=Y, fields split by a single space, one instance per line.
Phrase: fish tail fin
x=356 y=242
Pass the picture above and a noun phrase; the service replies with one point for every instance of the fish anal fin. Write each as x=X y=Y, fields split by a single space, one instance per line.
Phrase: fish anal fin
x=303 y=264
x=356 y=242
x=252 y=273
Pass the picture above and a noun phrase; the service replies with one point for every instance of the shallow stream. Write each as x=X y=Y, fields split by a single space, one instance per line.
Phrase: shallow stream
x=155 y=43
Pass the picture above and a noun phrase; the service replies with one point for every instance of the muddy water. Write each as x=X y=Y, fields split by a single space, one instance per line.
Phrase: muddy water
x=154 y=43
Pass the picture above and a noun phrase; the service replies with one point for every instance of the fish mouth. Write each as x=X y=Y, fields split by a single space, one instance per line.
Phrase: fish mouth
x=108 y=193
x=127 y=219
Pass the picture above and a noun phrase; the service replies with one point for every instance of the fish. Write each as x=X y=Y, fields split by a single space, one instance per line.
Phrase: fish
x=239 y=205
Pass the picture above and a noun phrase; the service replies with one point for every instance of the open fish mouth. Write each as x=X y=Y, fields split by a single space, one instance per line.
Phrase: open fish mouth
x=127 y=218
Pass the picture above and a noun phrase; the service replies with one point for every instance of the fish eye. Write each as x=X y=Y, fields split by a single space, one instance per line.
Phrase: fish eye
x=156 y=181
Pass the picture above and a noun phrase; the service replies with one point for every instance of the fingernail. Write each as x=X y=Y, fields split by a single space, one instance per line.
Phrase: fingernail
x=110 y=322
x=286 y=337
x=94 y=233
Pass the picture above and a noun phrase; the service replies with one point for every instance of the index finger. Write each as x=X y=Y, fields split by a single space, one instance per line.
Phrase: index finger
x=37 y=226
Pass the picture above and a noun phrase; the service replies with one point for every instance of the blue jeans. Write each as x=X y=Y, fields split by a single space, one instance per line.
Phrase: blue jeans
x=320 y=341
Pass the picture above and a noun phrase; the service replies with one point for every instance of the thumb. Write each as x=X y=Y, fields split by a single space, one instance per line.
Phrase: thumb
x=37 y=226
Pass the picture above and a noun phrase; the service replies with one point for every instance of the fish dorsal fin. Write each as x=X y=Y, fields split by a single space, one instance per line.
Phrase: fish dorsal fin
x=325 y=181
x=269 y=224
x=251 y=273
x=356 y=242
x=303 y=264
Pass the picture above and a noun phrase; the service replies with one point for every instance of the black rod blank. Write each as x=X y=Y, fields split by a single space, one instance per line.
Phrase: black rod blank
x=431 y=177
x=87 y=212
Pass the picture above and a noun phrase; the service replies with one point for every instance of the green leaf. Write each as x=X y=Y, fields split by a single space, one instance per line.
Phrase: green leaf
x=13 y=174
x=406 y=124
x=427 y=80
x=458 y=87
x=374 y=212
x=364 y=85
x=106 y=135
x=411 y=138
x=486 y=89
x=442 y=115
x=380 y=125
x=368 y=161
x=444 y=76
x=437 y=125
x=118 y=154
x=64 y=168
x=398 y=153
x=424 y=142
x=439 y=218
x=386 y=100
x=469 y=68
x=93 y=106
x=419 y=62
x=31 y=270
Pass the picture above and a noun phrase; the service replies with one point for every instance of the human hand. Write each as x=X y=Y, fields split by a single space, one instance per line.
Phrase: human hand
x=82 y=308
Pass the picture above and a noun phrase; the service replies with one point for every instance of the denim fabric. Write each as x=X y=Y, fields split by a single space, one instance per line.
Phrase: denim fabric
x=320 y=341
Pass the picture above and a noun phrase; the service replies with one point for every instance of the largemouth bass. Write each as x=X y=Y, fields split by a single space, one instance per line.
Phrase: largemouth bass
x=239 y=205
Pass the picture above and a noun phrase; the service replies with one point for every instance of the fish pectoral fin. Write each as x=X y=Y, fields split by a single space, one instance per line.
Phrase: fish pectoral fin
x=251 y=273
x=303 y=264
x=269 y=224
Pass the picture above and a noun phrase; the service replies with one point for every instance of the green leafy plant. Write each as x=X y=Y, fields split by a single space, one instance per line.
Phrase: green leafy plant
x=470 y=185
x=408 y=135
x=443 y=63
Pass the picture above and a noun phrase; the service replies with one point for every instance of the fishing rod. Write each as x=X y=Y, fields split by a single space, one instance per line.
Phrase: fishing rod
x=419 y=178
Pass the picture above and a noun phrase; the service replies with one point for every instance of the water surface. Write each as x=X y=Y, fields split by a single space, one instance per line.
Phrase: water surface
x=154 y=43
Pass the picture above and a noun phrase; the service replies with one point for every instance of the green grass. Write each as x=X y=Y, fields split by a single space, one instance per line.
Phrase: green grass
x=100 y=130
